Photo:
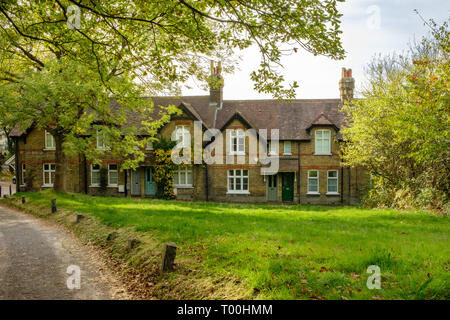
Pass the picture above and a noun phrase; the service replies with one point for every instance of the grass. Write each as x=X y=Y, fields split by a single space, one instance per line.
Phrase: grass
x=247 y=251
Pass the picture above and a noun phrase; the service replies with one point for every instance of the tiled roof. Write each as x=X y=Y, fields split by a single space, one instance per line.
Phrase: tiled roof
x=292 y=118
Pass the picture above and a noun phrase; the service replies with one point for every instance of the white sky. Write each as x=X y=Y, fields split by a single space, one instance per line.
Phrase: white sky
x=365 y=33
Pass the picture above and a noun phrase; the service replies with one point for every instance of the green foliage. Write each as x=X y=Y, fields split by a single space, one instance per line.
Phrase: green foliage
x=164 y=169
x=400 y=129
x=296 y=252
x=164 y=43
x=164 y=144
x=163 y=173
x=62 y=62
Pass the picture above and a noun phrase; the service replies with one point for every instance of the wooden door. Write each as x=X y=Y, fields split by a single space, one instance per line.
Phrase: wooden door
x=135 y=183
x=272 y=188
x=287 y=190
x=150 y=184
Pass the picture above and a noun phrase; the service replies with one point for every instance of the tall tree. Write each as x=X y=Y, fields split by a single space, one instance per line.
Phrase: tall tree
x=400 y=129
x=115 y=44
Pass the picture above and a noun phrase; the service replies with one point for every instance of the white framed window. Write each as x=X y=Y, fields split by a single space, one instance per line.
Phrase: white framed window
x=332 y=182
x=313 y=181
x=237 y=142
x=149 y=145
x=183 y=177
x=113 y=175
x=238 y=181
x=23 y=174
x=183 y=136
x=101 y=140
x=48 y=174
x=323 y=141
x=272 y=148
x=95 y=175
x=49 y=141
x=287 y=147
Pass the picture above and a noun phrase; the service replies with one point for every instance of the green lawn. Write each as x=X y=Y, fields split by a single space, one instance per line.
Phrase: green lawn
x=286 y=252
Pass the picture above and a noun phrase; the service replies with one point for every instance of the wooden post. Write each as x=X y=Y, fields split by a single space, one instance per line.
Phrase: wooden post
x=112 y=236
x=168 y=257
x=23 y=199
x=79 y=217
x=10 y=190
x=53 y=205
x=133 y=243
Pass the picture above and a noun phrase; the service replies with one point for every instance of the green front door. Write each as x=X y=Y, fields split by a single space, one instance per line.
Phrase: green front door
x=150 y=184
x=287 y=188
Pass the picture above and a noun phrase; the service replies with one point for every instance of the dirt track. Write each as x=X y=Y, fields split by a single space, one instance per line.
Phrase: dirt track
x=35 y=255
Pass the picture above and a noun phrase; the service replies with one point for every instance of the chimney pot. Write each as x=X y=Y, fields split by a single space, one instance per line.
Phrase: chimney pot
x=346 y=86
x=216 y=85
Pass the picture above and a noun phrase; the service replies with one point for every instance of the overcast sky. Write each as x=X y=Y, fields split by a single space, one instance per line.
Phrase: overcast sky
x=369 y=27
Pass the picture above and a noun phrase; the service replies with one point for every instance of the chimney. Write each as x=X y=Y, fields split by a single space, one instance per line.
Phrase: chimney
x=346 y=86
x=216 y=85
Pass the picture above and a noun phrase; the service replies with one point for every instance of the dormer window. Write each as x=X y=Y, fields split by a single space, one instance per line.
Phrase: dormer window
x=49 y=141
x=287 y=148
x=323 y=142
x=237 y=142
x=101 y=140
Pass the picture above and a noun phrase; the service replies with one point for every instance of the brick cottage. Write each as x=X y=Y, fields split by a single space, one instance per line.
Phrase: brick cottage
x=310 y=167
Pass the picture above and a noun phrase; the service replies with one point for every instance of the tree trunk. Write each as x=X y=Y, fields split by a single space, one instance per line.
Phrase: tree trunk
x=9 y=140
x=60 y=183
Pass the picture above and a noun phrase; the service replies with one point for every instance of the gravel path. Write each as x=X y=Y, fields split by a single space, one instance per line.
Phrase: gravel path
x=35 y=256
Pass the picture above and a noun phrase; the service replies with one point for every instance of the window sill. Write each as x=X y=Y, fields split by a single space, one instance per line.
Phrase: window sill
x=287 y=154
x=184 y=187
x=49 y=149
x=313 y=194
x=94 y=186
x=239 y=192
x=236 y=154
x=47 y=186
x=332 y=194
x=323 y=154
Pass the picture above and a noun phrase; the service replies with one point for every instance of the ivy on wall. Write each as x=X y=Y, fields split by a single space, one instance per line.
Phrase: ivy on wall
x=164 y=169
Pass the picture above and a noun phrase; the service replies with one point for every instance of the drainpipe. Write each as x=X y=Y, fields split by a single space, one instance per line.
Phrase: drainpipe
x=349 y=184
x=85 y=175
x=215 y=113
x=299 y=173
x=125 y=182
x=207 y=185
x=342 y=182
x=19 y=181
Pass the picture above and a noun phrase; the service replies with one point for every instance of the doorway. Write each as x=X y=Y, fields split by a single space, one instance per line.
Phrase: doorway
x=272 y=188
x=150 y=184
x=287 y=189
x=135 y=183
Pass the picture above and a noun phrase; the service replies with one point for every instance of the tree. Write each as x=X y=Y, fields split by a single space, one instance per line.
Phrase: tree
x=75 y=54
x=400 y=129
